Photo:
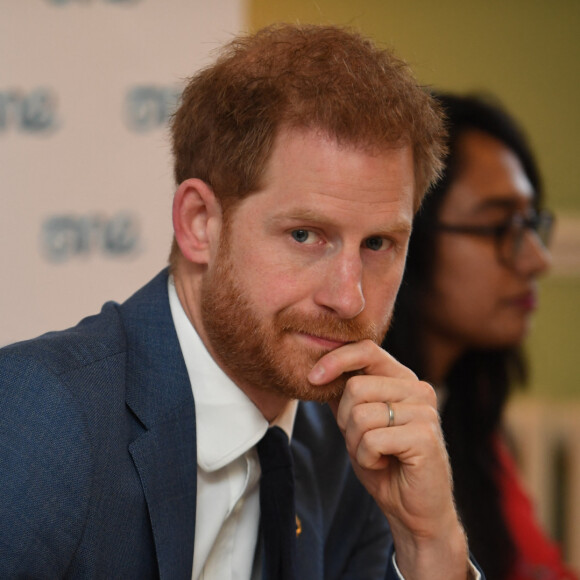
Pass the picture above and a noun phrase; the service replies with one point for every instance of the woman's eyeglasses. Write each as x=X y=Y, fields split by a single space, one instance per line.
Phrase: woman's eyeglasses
x=509 y=236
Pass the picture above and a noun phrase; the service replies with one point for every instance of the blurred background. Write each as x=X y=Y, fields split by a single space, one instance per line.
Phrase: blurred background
x=86 y=88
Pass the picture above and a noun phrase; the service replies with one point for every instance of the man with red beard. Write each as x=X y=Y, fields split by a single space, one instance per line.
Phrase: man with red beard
x=129 y=443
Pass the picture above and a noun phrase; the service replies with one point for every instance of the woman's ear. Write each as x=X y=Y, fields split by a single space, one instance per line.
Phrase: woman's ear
x=196 y=220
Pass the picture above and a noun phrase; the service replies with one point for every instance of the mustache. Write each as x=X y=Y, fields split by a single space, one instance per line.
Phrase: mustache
x=328 y=326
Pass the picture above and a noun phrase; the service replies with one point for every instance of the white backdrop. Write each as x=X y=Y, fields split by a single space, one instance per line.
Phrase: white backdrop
x=86 y=87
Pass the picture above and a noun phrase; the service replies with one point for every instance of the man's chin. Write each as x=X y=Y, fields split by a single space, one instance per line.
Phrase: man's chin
x=321 y=393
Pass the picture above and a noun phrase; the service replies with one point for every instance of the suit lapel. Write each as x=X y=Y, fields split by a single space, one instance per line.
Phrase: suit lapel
x=159 y=394
x=166 y=464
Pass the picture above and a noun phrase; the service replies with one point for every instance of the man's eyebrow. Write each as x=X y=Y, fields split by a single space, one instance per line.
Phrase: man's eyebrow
x=299 y=214
x=310 y=216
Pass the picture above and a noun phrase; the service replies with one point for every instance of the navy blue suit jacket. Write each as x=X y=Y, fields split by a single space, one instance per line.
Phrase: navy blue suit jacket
x=98 y=459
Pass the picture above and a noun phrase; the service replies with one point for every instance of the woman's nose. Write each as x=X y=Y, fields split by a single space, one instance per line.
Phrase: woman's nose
x=534 y=257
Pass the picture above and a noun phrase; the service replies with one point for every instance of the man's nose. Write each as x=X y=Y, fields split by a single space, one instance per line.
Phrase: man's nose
x=340 y=287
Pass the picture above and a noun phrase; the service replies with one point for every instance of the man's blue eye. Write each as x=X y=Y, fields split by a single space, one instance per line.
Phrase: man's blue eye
x=300 y=235
x=374 y=243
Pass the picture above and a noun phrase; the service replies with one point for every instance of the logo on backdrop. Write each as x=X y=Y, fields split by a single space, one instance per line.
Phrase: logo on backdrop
x=65 y=237
x=28 y=112
x=148 y=107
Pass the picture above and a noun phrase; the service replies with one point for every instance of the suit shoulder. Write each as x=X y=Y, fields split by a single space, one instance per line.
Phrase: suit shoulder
x=92 y=339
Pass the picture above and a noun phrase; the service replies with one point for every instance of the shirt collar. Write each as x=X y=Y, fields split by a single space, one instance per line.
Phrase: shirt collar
x=227 y=422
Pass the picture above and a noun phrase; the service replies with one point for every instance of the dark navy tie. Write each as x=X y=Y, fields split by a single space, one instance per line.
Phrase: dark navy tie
x=277 y=511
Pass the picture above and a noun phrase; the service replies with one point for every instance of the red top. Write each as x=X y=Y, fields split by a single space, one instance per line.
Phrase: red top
x=538 y=557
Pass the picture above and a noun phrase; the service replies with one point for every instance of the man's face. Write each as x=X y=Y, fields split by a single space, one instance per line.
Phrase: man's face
x=310 y=262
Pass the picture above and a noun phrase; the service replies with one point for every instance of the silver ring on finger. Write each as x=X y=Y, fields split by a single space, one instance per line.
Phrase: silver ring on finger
x=390 y=414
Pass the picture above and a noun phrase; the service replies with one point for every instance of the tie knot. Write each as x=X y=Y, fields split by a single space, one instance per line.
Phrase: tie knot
x=274 y=450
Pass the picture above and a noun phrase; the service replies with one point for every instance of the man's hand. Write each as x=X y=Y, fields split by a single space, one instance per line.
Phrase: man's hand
x=404 y=466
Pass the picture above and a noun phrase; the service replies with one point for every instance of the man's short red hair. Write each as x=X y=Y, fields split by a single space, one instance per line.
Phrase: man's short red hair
x=323 y=78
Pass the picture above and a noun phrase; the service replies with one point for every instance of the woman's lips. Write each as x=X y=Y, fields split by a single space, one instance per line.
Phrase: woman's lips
x=527 y=301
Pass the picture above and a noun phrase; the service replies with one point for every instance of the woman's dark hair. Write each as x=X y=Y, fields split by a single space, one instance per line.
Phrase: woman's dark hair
x=479 y=383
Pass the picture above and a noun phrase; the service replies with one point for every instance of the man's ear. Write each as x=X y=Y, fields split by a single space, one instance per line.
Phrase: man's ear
x=196 y=219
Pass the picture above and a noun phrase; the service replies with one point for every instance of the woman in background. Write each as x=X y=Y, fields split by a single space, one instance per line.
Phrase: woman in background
x=479 y=244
